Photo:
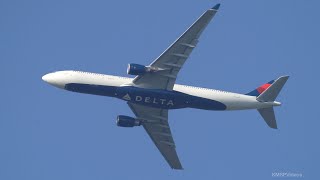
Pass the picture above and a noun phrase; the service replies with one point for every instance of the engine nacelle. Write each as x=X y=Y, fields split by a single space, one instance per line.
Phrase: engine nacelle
x=126 y=121
x=137 y=69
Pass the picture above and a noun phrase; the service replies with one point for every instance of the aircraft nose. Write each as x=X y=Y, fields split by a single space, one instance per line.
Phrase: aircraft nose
x=55 y=79
x=47 y=78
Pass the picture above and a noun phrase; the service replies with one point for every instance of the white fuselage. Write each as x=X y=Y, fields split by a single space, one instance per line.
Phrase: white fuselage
x=232 y=101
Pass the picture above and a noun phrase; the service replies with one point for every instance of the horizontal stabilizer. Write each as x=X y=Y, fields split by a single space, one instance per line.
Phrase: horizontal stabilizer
x=269 y=117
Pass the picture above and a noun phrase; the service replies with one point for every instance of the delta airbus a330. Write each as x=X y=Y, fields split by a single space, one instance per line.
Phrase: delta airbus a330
x=153 y=92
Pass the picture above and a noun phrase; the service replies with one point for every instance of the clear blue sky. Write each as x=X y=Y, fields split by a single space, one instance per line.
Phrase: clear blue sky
x=47 y=133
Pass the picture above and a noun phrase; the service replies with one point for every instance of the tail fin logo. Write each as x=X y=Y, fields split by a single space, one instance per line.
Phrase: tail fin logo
x=260 y=89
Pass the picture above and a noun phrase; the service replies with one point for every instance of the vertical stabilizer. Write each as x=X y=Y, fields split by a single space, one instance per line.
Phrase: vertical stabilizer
x=271 y=93
x=268 y=93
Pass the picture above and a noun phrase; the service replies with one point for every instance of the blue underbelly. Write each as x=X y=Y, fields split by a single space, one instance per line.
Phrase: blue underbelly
x=149 y=97
x=91 y=89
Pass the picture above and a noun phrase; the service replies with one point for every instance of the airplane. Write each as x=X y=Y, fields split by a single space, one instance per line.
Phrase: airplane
x=153 y=92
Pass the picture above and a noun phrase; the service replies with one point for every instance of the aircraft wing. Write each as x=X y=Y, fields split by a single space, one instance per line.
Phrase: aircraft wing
x=155 y=122
x=172 y=59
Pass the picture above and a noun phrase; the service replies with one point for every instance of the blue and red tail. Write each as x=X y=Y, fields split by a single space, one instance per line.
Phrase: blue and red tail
x=268 y=93
x=260 y=89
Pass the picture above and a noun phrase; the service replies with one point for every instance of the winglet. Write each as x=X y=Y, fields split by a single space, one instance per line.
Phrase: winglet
x=216 y=7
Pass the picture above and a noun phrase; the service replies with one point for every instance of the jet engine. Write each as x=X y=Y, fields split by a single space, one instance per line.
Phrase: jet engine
x=137 y=69
x=126 y=121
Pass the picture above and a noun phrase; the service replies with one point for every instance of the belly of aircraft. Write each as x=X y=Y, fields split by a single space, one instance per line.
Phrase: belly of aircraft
x=156 y=98
x=166 y=99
